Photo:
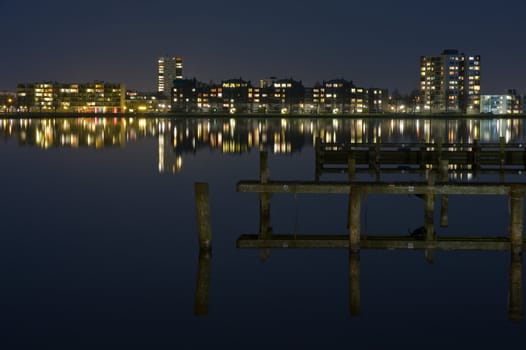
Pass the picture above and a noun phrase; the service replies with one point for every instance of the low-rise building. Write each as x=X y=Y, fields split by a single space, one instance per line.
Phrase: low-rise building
x=146 y=102
x=500 y=104
x=287 y=96
x=378 y=100
x=185 y=95
x=7 y=101
x=96 y=97
x=359 y=100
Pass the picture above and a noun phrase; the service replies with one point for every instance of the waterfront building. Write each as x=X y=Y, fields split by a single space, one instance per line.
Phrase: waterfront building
x=238 y=95
x=450 y=82
x=378 y=100
x=96 y=97
x=146 y=102
x=214 y=100
x=333 y=96
x=359 y=100
x=7 y=101
x=509 y=103
x=35 y=97
x=184 y=95
x=287 y=96
x=168 y=69
x=337 y=96
x=258 y=97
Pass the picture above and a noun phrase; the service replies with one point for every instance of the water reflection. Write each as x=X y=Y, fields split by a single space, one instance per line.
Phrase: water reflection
x=435 y=183
x=178 y=137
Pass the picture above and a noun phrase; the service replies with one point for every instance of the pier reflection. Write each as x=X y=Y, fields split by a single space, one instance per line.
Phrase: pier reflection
x=435 y=177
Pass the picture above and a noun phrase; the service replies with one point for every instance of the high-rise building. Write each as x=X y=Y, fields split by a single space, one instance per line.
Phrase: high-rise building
x=168 y=70
x=450 y=82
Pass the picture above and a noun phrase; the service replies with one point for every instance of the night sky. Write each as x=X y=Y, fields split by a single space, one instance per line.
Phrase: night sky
x=374 y=43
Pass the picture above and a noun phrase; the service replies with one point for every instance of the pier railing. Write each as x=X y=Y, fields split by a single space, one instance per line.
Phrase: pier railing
x=359 y=157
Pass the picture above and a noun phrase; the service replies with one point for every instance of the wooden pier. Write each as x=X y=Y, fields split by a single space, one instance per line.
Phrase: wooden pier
x=358 y=191
x=437 y=162
x=393 y=157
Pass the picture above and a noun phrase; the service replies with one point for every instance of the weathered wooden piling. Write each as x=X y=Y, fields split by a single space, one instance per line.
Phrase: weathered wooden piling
x=264 y=171
x=265 y=229
x=439 y=150
x=502 y=153
x=203 y=282
x=516 y=218
x=202 y=204
x=515 y=305
x=351 y=165
x=422 y=155
x=318 y=157
x=429 y=209
x=354 y=218
x=429 y=213
x=264 y=198
x=444 y=200
x=476 y=155
x=354 y=284
x=444 y=203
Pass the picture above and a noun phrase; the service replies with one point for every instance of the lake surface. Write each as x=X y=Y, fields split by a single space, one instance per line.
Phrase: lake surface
x=99 y=245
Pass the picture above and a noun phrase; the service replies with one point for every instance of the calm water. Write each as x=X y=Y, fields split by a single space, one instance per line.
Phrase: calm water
x=99 y=240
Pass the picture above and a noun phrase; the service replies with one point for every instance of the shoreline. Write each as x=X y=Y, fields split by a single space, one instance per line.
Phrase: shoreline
x=171 y=115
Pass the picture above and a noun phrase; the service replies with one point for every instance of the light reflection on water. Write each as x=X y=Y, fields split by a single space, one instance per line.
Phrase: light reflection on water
x=99 y=241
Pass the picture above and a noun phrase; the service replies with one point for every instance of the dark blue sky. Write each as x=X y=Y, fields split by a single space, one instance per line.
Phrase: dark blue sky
x=373 y=43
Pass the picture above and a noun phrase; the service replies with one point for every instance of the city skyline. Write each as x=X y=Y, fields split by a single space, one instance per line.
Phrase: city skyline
x=374 y=45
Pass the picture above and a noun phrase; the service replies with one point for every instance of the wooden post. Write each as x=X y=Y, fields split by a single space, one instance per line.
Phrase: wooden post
x=429 y=213
x=422 y=155
x=351 y=164
x=429 y=209
x=444 y=170
x=265 y=230
x=444 y=175
x=444 y=222
x=516 y=217
x=515 y=306
x=354 y=284
x=264 y=198
x=502 y=142
x=374 y=156
x=202 y=203
x=203 y=282
x=264 y=172
x=319 y=158
x=439 y=152
x=354 y=218
x=476 y=155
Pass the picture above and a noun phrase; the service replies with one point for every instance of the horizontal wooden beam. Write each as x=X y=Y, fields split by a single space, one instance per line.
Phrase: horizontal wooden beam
x=375 y=242
x=415 y=169
x=419 y=145
x=377 y=188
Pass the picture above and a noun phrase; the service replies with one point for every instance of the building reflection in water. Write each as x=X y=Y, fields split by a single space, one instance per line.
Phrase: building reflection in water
x=447 y=156
x=180 y=137
x=435 y=179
